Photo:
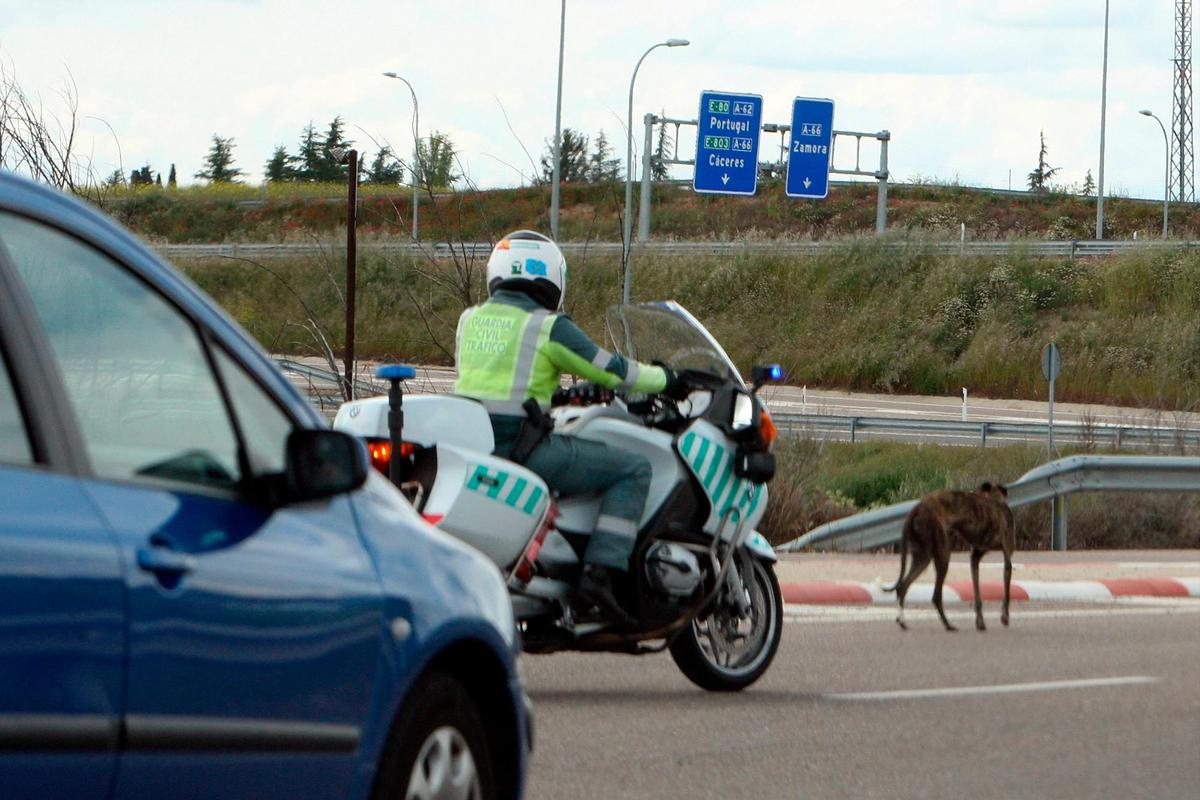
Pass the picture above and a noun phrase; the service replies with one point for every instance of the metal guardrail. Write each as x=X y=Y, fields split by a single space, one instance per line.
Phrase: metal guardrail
x=882 y=527
x=1118 y=435
x=1071 y=249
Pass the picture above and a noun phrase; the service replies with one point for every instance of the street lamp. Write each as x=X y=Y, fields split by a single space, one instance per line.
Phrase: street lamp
x=554 y=189
x=416 y=148
x=627 y=238
x=1103 y=104
x=349 y=156
x=1167 y=171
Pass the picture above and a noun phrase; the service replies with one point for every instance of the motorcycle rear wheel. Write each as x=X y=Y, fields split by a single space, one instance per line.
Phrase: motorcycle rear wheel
x=726 y=653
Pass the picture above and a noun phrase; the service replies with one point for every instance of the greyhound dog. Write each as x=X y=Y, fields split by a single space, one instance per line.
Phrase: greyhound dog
x=982 y=518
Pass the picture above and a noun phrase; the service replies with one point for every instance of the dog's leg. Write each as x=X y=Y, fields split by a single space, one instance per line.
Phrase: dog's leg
x=941 y=563
x=976 y=557
x=1007 y=582
x=1008 y=543
x=920 y=560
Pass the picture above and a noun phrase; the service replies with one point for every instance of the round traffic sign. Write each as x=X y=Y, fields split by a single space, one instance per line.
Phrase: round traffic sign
x=1051 y=361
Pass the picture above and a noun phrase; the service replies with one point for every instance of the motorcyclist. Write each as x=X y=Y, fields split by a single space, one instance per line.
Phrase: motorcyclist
x=513 y=349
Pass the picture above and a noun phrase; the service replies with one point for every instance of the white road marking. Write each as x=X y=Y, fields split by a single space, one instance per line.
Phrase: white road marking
x=1124 y=607
x=1002 y=688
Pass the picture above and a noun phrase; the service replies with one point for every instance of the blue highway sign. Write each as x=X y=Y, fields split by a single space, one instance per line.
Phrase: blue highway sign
x=812 y=148
x=727 y=143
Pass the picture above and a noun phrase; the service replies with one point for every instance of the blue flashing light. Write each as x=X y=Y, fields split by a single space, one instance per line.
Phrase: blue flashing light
x=776 y=372
x=395 y=372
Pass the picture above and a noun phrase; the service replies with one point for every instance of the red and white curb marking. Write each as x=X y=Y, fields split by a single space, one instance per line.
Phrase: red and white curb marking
x=960 y=591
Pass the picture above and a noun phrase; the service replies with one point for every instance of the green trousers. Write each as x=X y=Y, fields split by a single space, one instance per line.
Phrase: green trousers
x=577 y=466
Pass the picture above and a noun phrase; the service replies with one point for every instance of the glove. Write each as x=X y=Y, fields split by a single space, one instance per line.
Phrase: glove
x=676 y=388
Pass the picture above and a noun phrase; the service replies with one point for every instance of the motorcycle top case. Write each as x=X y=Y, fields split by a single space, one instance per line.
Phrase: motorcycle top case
x=492 y=504
x=429 y=419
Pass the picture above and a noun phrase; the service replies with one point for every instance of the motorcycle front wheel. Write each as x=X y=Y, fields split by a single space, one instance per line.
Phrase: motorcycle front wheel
x=726 y=652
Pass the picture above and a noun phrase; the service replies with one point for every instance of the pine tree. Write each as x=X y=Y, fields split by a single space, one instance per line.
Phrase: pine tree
x=572 y=158
x=329 y=170
x=1089 y=185
x=218 y=164
x=280 y=167
x=1039 y=179
x=602 y=166
x=385 y=168
x=171 y=178
x=658 y=169
x=309 y=156
x=141 y=176
x=158 y=179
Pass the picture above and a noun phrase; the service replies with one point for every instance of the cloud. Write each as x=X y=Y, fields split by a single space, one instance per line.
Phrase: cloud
x=964 y=87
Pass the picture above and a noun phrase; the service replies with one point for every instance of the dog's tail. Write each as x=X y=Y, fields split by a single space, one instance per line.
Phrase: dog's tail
x=904 y=537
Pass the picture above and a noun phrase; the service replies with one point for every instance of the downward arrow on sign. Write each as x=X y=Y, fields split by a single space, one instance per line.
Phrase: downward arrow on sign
x=807 y=183
x=725 y=178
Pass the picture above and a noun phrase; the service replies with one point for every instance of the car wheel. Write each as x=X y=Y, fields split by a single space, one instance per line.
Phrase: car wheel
x=437 y=749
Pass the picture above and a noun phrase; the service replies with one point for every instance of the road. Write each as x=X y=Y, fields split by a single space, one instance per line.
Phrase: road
x=1095 y=701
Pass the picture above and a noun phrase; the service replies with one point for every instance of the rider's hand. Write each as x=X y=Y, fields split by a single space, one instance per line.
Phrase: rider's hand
x=676 y=388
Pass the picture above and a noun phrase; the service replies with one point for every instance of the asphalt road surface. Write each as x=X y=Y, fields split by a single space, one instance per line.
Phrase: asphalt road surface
x=1083 y=701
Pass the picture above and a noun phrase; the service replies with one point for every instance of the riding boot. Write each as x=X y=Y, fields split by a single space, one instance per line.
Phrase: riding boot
x=596 y=588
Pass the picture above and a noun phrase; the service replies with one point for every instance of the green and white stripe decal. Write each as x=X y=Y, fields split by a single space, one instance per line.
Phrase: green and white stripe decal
x=712 y=464
x=504 y=487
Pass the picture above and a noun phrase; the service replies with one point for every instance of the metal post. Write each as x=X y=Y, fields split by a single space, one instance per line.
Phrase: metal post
x=1058 y=522
x=1145 y=112
x=627 y=232
x=882 y=177
x=415 y=167
x=1050 y=424
x=351 y=261
x=554 y=187
x=647 y=179
x=1103 y=104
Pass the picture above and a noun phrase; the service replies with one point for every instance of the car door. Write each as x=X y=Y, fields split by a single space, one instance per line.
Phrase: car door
x=254 y=632
x=62 y=621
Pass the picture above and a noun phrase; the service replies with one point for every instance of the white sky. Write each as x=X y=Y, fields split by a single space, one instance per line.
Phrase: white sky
x=964 y=86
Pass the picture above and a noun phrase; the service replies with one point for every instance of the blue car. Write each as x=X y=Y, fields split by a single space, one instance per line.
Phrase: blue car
x=204 y=592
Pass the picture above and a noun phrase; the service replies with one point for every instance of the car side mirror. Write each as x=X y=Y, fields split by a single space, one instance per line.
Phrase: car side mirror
x=322 y=464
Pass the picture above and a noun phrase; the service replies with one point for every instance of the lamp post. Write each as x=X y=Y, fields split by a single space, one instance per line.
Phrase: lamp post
x=627 y=238
x=1167 y=171
x=416 y=149
x=554 y=188
x=350 y=157
x=1103 y=103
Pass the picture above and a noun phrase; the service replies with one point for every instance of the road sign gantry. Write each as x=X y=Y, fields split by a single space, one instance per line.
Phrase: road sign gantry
x=727 y=133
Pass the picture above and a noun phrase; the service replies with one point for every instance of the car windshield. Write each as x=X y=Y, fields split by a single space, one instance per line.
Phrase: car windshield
x=667 y=332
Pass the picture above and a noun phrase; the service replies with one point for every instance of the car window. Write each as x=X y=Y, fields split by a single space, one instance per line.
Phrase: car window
x=14 y=441
x=135 y=369
x=264 y=426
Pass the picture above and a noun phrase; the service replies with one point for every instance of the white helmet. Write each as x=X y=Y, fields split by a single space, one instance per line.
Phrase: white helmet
x=529 y=262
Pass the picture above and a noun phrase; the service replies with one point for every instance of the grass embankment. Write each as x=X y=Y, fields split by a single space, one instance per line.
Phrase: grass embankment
x=860 y=317
x=280 y=212
x=819 y=481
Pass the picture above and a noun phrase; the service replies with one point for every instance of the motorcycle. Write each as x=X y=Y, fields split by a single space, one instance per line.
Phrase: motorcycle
x=701 y=582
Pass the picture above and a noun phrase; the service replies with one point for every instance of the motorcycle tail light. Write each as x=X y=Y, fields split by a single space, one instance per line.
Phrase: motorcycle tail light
x=433 y=519
x=381 y=452
x=767 y=429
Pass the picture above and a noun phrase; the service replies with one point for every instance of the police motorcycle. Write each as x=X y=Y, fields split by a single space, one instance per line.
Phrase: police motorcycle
x=701 y=582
